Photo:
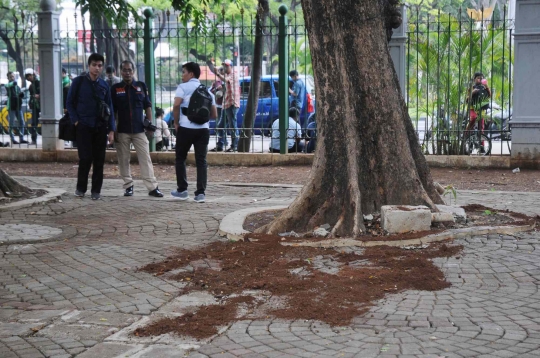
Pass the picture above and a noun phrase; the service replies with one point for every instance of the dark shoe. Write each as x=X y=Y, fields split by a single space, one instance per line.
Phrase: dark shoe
x=79 y=193
x=129 y=191
x=216 y=149
x=33 y=142
x=96 y=196
x=24 y=141
x=231 y=149
x=14 y=142
x=156 y=193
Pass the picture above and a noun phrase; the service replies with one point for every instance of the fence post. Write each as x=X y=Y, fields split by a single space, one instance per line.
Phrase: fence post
x=149 y=71
x=283 y=45
x=51 y=77
x=397 y=50
x=526 y=116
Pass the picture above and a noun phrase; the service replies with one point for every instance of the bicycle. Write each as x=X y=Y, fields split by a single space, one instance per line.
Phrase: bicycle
x=475 y=141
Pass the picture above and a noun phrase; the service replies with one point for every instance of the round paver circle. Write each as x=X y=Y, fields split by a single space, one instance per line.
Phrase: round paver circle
x=16 y=233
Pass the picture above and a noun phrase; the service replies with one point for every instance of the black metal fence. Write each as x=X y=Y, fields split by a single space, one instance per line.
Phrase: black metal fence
x=443 y=53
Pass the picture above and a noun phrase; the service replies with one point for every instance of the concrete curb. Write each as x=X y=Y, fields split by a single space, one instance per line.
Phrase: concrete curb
x=51 y=196
x=447 y=235
x=256 y=159
x=232 y=225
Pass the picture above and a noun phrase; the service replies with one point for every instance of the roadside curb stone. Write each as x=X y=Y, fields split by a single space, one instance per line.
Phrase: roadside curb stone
x=53 y=195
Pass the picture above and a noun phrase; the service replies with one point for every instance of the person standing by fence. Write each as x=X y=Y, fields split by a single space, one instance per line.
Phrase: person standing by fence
x=190 y=134
x=130 y=99
x=85 y=103
x=231 y=103
x=34 y=102
x=14 y=107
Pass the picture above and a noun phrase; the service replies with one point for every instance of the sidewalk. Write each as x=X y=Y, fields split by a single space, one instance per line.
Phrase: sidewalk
x=75 y=294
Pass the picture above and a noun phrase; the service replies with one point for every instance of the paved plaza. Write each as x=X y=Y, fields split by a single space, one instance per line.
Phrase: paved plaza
x=69 y=285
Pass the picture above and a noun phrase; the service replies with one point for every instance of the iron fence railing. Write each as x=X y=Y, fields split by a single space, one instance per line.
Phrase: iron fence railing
x=443 y=52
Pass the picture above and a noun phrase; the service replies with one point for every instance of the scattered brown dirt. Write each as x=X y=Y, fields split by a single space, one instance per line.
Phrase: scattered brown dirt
x=261 y=263
x=461 y=179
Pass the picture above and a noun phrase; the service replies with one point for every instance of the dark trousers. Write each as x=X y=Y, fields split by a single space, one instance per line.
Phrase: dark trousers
x=185 y=138
x=92 y=143
x=34 y=123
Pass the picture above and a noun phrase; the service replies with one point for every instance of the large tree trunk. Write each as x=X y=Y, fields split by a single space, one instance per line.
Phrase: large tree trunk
x=253 y=99
x=367 y=151
x=9 y=187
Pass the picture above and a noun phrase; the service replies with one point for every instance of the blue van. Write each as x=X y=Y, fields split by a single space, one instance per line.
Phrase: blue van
x=268 y=107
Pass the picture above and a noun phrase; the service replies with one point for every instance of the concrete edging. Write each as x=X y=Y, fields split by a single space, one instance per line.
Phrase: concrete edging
x=232 y=227
x=254 y=159
x=51 y=196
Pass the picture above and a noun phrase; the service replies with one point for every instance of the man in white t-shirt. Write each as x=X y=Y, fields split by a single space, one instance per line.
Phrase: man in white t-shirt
x=189 y=133
x=294 y=134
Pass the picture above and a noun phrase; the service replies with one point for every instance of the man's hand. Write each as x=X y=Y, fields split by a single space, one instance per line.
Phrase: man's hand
x=110 y=137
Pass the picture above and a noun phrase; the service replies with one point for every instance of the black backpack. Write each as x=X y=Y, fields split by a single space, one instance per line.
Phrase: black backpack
x=480 y=96
x=200 y=105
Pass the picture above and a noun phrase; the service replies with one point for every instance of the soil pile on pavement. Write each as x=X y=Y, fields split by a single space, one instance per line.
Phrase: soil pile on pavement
x=260 y=278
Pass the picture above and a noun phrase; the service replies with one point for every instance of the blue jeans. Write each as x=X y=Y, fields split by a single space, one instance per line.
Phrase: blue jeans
x=221 y=130
x=16 y=115
x=230 y=120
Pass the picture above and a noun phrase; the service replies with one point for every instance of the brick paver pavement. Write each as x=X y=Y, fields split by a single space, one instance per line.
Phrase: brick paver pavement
x=75 y=294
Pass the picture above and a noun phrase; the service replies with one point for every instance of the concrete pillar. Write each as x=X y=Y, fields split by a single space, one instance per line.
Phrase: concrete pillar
x=397 y=50
x=526 y=111
x=50 y=74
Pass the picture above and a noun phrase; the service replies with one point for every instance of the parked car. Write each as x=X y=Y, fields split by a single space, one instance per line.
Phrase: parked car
x=27 y=112
x=268 y=106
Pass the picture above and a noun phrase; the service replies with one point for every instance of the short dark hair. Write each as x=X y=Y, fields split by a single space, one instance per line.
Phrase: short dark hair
x=9 y=73
x=293 y=112
x=293 y=73
x=127 y=61
x=194 y=68
x=478 y=74
x=64 y=70
x=159 y=112
x=95 y=57
x=110 y=69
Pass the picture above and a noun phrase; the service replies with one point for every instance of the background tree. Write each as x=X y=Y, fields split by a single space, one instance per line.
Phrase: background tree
x=16 y=19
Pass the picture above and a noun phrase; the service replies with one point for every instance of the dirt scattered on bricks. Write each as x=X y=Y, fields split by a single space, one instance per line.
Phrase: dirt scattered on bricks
x=260 y=278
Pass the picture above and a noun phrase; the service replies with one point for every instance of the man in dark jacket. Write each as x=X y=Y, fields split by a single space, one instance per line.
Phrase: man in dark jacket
x=130 y=99
x=85 y=104
x=34 y=102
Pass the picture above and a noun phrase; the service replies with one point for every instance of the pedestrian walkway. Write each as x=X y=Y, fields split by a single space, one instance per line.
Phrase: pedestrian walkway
x=78 y=293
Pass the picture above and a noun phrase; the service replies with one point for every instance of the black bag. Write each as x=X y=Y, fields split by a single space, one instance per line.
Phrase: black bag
x=66 y=129
x=480 y=96
x=200 y=105
x=104 y=112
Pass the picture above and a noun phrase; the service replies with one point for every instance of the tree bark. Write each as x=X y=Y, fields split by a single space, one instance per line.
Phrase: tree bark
x=256 y=71
x=9 y=187
x=367 y=151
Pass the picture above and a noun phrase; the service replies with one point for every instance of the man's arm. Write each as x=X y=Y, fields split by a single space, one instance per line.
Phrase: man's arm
x=70 y=101
x=148 y=112
x=112 y=122
x=176 y=112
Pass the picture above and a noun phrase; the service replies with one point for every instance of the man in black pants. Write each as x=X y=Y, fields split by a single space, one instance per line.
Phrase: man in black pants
x=93 y=131
x=189 y=133
x=34 y=101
